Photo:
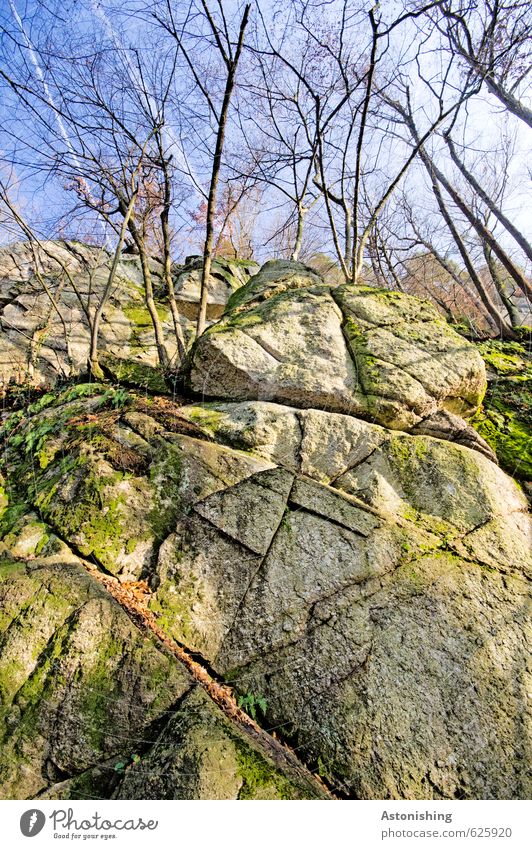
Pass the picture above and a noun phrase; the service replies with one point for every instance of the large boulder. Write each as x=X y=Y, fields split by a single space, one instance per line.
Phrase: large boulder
x=365 y=591
x=44 y=292
x=81 y=686
x=288 y=336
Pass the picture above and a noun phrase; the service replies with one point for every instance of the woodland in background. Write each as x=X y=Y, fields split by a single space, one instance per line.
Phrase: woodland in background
x=384 y=145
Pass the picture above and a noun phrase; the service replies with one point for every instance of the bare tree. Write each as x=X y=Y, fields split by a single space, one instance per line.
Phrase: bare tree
x=229 y=53
x=492 y=38
x=491 y=204
x=98 y=125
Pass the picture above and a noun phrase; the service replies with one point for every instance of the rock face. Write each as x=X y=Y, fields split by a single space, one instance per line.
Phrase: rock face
x=226 y=277
x=287 y=336
x=368 y=588
x=45 y=289
x=93 y=708
x=351 y=563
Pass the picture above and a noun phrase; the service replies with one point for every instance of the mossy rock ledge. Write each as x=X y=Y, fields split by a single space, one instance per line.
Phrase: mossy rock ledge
x=34 y=352
x=362 y=583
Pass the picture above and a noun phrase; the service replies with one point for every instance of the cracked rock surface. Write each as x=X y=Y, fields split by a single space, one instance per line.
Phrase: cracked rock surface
x=289 y=337
x=365 y=589
x=46 y=288
x=315 y=529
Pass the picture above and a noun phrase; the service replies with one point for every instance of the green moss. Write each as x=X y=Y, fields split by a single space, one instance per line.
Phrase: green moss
x=11 y=516
x=4 y=501
x=139 y=315
x=138 y=374
x=285 y=523
x=92 y=515
x=28 y=534
x=257 y=304
x=505 y=357
x=99 y=691
x=415 y=580
x=166 y=479
x=206 y=417
x=59 y=466
x=174 y=607
x=405 y=449
x=260 y=780
x=366 y=365
x=509 y=436
x=45 y=677
x=505 y=418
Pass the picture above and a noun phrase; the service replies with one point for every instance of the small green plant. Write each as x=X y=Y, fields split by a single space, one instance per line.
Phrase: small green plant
x=324 y=771
x=285 y=521
x=251 y=703
x=121 y=766
x=116 y=398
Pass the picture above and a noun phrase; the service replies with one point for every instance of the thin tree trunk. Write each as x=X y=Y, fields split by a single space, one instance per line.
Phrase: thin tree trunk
x=511 y=308
x=482 y=231
x=502 y=326
x=232 y=65
x=328 y=197
x=388 y=261
x=497 y=212
x=515 y=106
x=94 y=366
x=167 y=272
x=162 y=353
x=357 y=263
x=348 y=236
x=299 y=233
x=477 y=225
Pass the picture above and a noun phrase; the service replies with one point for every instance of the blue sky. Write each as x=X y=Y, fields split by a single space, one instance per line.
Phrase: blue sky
x=486 y=123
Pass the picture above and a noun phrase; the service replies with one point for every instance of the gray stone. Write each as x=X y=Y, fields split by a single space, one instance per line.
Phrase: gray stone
x=383 y=356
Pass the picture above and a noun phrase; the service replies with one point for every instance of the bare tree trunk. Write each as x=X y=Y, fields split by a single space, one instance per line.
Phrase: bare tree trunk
x=478 y=226
x=387 y=259
x=232 y=64
x=167 y=264
x=319 y=181
x=376 y=263
x=348 y=236
x=515 y=106
x=94 y=366
x=358 y=253
x=511 y=308
x=502 y=326
x=482 y=231
x=167 y=272
x=299 y=233
x=162 y=353
x=446 y=267
x=493 y=208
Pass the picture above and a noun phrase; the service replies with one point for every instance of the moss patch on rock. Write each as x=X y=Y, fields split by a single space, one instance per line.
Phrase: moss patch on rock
x=135 y=373
x=505 y=418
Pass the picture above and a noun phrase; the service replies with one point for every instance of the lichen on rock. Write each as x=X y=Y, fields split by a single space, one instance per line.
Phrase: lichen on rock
x=323 y=535
x=288 y=337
